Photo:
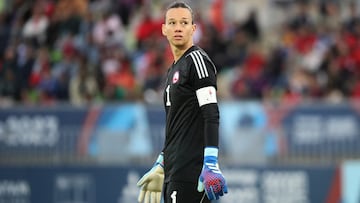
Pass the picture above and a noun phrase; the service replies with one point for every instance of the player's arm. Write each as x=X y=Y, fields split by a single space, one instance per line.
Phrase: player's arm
x=203 y=74
x=211 y=179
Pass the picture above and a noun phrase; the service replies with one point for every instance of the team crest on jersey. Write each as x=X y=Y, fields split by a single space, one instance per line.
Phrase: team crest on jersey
x=175 y=77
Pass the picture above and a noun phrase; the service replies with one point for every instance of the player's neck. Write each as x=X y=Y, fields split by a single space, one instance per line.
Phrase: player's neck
x=179 y=51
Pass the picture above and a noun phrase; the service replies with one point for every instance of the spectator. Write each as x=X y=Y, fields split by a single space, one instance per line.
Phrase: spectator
x=5 y=31
x=35 y=27
x=8 y=76
x=123 y=78
x=83 y=87
x=147 y=30
x=23 y=68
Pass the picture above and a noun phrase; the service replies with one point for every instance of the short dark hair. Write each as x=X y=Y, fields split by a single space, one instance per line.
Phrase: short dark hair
x=181 y=4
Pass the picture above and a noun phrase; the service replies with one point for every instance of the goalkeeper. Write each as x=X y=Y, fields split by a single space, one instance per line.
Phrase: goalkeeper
x=187 y=169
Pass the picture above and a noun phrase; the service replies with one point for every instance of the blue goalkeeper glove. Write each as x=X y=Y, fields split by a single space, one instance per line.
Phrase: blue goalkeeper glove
x=211 y=178
x=151 y=183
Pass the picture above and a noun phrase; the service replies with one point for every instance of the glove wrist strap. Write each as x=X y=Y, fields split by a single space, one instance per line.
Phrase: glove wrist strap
x=160 y=160
x=211 y=151
x=211 y=155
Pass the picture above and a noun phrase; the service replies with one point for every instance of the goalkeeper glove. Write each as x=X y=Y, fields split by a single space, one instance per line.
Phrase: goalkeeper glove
x=211 y=178
x=152 y=183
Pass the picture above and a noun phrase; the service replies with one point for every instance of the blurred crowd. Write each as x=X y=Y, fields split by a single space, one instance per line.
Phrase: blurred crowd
x=88 y=51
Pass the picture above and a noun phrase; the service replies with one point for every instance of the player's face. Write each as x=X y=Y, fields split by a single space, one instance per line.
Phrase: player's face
x=178 y=27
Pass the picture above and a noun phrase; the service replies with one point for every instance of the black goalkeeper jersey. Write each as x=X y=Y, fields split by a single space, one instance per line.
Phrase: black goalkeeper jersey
x=192 y=115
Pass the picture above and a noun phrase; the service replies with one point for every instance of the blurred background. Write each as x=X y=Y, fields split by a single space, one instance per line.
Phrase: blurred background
x=81 y=115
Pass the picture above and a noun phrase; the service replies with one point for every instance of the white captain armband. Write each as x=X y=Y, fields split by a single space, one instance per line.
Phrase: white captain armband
x=206 y=95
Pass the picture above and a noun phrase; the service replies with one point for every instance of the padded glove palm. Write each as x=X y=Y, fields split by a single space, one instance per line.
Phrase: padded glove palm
x=151 y=183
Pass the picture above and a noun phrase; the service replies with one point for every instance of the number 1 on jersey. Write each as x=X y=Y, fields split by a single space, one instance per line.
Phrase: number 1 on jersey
x=168 y=103
x=173 y=197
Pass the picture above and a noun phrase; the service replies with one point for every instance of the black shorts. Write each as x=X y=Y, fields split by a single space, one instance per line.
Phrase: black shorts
x=183 y=192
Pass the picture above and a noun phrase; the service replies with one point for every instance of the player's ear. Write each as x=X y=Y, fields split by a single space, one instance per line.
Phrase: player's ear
x=163 y=30
x=194 y=27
